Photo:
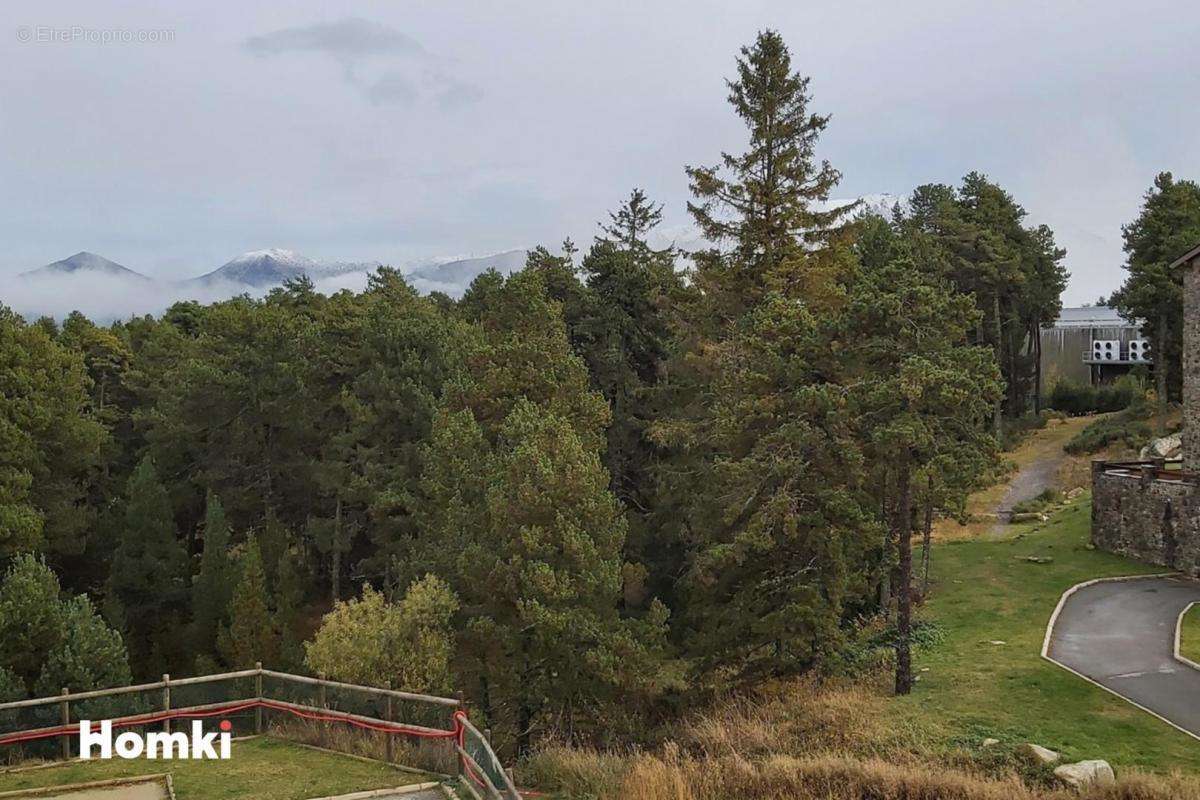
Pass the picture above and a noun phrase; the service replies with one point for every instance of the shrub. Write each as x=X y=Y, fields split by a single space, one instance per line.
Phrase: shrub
x=1076 y=399
x=1129 y=427
x=1017 y=429
x=1049 y=497
x=371 y=641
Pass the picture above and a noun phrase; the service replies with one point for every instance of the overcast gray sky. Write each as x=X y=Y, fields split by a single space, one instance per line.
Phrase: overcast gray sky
x=402 y=130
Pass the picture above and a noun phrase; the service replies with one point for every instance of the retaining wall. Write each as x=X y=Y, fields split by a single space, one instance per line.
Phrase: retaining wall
x=1146 y=517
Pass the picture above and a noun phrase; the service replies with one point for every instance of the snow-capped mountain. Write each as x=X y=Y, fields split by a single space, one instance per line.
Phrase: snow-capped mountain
x=84 y=262
x=453 y=277
x=265 y=268
x=260 y=268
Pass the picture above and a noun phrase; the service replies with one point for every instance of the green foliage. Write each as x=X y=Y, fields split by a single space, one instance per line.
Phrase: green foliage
x=1044 y=500
x=50 y=442
x=1167 y=226
x=1077 y=398
x=90 y=655
x=1128 y=428
x=213 y=587
x=250 y=635
x=406 y=645
x=31 y=619
x=49 y=640
x=147 y=589
x=974 y=236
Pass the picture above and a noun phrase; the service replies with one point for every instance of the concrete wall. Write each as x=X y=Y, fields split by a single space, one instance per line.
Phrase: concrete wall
x=1191 y=368
x=1157 y=521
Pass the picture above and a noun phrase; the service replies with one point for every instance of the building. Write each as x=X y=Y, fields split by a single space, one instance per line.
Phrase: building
x=1092 y=344
x=1148 y=510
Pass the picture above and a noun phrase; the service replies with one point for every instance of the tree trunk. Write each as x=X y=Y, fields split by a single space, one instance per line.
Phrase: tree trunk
x=904 y=676
x=885 y=584
x=335 y=568
x=1160 y=373
x=927 y=539
x=997 y=422
x=1036 y=333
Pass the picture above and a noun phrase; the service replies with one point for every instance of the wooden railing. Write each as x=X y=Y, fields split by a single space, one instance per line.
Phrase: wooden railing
x=1156 y=470
x=473 y=757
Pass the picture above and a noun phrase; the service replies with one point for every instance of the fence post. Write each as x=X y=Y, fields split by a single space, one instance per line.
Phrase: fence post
x=387 y=737
x=258 y=693
x=66 y=720
x=458 y=761
x=321 y=703
x=166 y=701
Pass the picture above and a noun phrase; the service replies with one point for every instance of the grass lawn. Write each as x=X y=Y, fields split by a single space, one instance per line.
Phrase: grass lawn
x=265 y=769
x=1189 y=635
x=984 y=592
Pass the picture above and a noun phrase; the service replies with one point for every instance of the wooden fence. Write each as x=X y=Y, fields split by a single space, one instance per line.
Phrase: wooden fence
x=429 y=718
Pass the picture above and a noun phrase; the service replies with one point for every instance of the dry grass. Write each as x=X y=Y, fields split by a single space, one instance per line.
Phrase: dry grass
x=809 y=741
x=832 y=777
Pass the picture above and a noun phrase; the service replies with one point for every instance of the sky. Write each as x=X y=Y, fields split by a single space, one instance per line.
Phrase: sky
x=171 y=139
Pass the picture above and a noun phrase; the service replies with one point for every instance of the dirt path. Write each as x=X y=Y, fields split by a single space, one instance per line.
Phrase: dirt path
x=1041 y=464
x=1031 y=480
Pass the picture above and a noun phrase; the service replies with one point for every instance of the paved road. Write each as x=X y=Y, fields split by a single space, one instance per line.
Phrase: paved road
x=1121 y=634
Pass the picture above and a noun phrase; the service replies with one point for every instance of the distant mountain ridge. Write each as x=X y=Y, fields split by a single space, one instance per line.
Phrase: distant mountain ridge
x=84 y=262
x=453 y=277
x=264 y=268
x=260 y=270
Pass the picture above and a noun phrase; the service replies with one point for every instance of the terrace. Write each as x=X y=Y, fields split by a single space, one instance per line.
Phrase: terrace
x=297 y=738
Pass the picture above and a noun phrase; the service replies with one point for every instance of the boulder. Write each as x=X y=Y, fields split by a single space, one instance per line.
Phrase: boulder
x=1036 y=753
x=990 y=742
x=1086 y=774
x=1166 y=447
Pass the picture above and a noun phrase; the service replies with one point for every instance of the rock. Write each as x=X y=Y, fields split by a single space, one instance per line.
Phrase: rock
x=1086 y=774
x=1028 y=516
x=1166 y=447
x=1035 y=559
x=1036 y=753
x=997 y=641
x=1076 y=492
x=990 y=742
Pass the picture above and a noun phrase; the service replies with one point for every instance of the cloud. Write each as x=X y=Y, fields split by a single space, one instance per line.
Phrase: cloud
x=413 y=73
x=106 y=298
x=347 y=39
x=393 y=87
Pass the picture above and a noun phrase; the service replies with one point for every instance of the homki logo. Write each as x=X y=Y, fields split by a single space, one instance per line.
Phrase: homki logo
x=199 y=745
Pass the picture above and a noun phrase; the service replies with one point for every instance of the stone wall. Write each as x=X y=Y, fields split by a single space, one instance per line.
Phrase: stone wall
x=1191 y=367
x=1157 y=521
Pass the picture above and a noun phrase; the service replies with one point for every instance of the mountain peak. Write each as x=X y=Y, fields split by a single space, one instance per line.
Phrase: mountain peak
x=82 y=262
x=263 y=268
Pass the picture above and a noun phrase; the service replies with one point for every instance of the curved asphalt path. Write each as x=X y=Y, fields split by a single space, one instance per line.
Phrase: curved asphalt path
x=1121 y=634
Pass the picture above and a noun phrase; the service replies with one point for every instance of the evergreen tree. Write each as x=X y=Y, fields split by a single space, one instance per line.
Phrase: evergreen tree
x=289 y=598
x=525 y=532
x=213 y=586
x=50 y=442
x=632 y=222
x=765 y=479
x=767 y=202
x=1167 y=227
x=147 y=588
x=49 y=640
x=923 y=396
x=250 y=635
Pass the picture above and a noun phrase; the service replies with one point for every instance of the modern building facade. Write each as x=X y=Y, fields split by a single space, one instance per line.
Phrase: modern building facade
x=1091 y=344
